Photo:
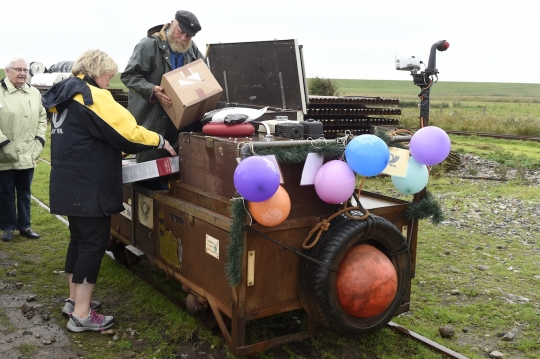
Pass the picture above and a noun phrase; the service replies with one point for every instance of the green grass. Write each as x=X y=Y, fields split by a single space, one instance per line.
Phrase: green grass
x=404 y=88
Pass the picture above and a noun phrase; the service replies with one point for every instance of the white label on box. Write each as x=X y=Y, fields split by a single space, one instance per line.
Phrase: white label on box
x=314 y=161
x=212 y=246
x=175 y=164
x=127 y=211
x=195 y=76
x=146 y=211
x=139 y=171
x=183 y=82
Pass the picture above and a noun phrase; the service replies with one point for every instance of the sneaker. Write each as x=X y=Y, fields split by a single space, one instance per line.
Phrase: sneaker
x=94 y=321
x=69 y=307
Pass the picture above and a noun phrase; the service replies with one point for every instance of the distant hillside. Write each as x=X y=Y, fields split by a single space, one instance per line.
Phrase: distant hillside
x=391 y=88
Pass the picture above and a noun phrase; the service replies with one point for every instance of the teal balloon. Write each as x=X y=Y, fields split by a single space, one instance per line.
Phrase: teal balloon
x=415 y=180
x=367 y=155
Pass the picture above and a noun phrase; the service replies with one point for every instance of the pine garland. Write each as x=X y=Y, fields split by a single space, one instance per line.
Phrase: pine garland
x=235 y=249
x=299 y=153
x=425 y=208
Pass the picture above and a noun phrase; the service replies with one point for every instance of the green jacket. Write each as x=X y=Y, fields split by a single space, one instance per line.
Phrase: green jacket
x=23 y=122
x=149 y=61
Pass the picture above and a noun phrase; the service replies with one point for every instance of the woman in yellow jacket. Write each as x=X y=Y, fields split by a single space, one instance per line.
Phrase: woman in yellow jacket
x=90 y=130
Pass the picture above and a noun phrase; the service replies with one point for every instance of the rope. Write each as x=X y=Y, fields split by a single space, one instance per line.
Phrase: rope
x=324 y=225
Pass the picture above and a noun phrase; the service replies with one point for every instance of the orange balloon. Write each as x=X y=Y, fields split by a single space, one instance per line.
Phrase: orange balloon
x=366 y=282
x=274 y=210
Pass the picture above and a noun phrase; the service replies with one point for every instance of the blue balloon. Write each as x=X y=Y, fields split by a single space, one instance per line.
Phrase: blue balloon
x=415 y=180
x=367 y=155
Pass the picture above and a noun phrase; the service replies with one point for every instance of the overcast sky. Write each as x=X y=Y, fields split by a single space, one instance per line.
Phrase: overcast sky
x=490 y=41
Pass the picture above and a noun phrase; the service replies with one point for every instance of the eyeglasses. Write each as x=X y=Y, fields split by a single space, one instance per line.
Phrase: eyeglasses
x=19 y=69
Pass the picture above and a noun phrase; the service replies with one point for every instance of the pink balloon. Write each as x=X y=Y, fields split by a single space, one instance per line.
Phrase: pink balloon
x=335 y=182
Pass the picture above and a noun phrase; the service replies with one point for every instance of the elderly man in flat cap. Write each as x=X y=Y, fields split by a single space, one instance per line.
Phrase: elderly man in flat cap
x=165 y=48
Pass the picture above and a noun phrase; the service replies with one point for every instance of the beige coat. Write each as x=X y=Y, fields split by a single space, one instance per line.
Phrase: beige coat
x=22 y=121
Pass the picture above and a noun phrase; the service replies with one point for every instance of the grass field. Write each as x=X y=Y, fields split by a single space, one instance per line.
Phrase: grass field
x=406 y=88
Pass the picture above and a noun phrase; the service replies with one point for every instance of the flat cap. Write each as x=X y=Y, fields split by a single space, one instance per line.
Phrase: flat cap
x=188 y=22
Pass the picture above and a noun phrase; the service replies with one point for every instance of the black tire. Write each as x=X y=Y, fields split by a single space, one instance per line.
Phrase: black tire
x=317 y=284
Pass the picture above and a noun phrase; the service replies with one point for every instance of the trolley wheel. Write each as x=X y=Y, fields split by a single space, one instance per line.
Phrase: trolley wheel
x=317 y=284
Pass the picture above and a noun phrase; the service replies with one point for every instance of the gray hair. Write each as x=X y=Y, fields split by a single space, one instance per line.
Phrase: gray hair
x=94 y=63
x=14 y=59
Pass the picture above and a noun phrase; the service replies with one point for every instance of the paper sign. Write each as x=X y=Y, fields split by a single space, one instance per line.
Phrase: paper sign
x=313 y=162
x=273 y=159
x=399 y=161
x=212 y=246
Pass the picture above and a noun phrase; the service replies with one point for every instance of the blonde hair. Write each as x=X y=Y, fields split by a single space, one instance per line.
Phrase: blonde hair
x=94 y=63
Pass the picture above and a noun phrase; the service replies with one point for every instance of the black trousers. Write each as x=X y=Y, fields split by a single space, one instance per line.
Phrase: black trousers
x=15 y=184
x=89 y=237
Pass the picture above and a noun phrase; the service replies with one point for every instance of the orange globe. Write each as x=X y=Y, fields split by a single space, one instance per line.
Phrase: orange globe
x=366 y=282
x=274 y=210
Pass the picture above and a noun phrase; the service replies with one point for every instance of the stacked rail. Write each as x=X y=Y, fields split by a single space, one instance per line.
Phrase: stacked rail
x=359 y=115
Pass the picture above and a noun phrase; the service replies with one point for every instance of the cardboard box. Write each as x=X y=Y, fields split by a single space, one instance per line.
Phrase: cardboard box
x=133 y=171
x=193 y=91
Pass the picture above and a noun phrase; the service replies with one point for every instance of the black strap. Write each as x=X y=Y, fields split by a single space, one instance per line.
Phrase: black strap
x=294 y=250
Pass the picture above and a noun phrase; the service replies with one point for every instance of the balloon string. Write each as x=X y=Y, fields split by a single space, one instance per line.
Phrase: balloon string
x=361 y=185
x=251 y=146
x=244 y=205
x=315 y=142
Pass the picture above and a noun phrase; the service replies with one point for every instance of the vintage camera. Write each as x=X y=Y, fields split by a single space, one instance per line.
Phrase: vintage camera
x=292 y=130
x=408 y=63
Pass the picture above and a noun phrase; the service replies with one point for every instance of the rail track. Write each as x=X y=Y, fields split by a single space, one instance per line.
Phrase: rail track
x=495 y=135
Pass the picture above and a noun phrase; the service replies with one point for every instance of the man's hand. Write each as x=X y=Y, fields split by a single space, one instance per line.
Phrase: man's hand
x=167 y=147
x=161 y=97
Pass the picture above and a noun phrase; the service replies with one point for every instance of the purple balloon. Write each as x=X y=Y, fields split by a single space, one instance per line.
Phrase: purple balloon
x=430 y=145
x=256 y=178
x=335 y=182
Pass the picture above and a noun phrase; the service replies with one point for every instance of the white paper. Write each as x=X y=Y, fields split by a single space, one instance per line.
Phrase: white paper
x=273 y=159
x=313 y=162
